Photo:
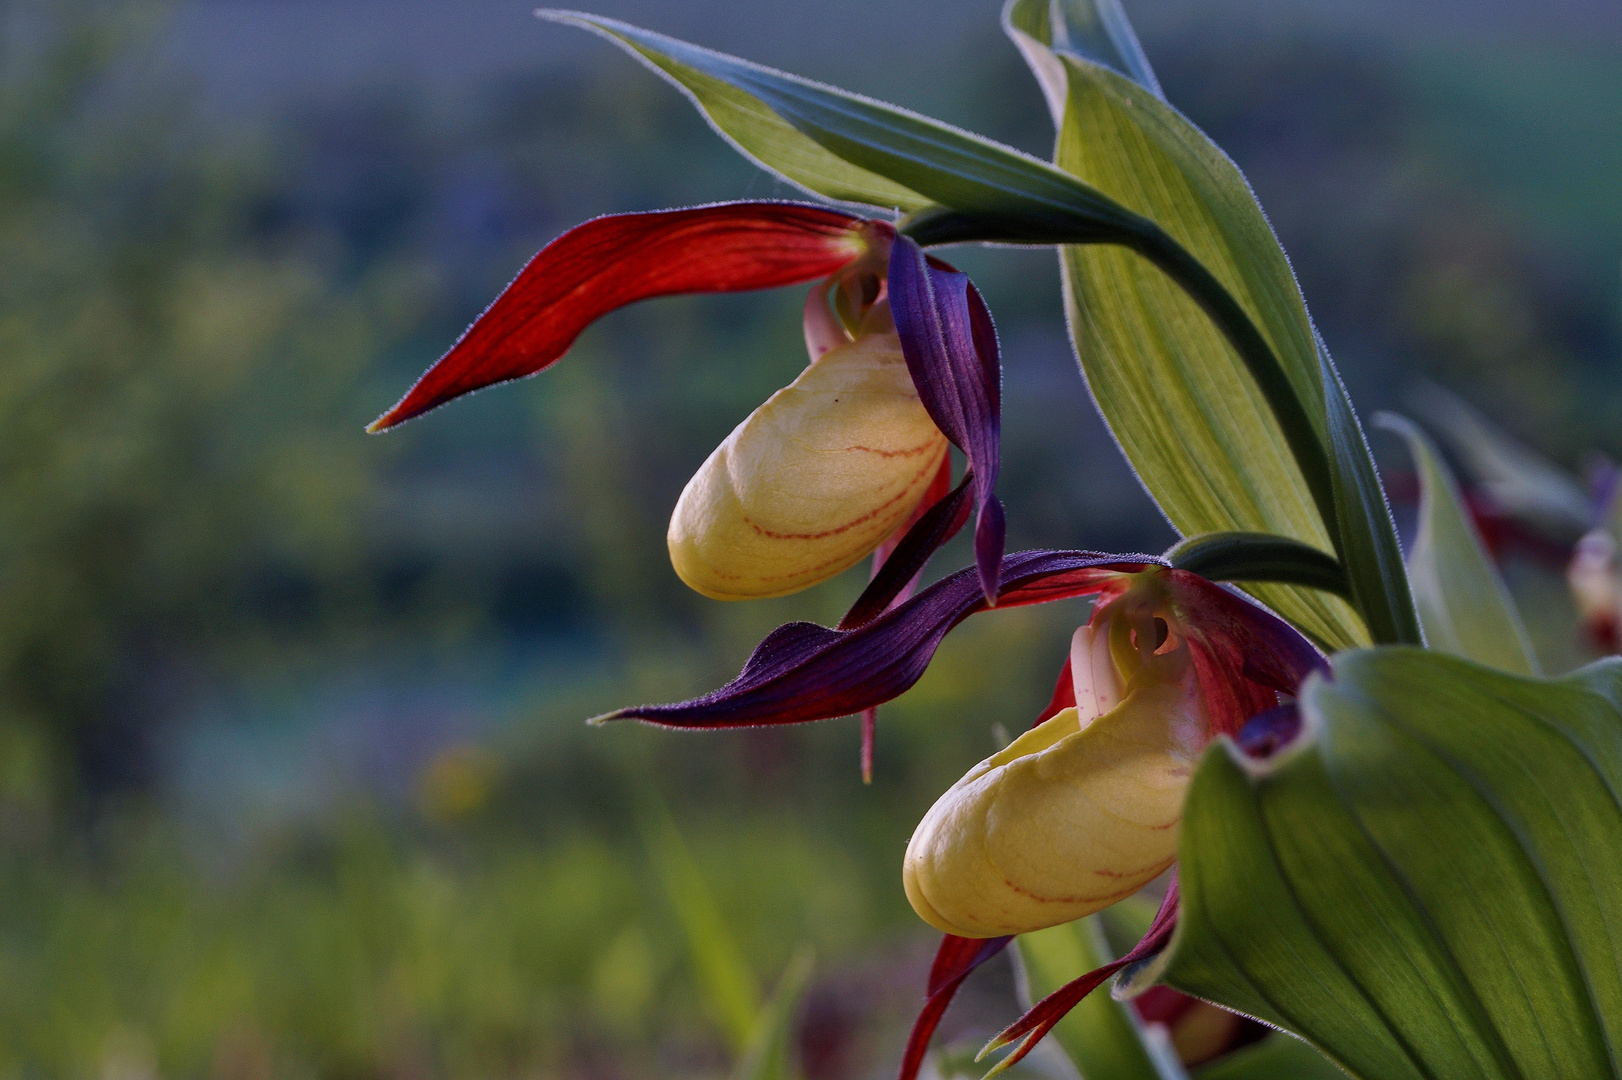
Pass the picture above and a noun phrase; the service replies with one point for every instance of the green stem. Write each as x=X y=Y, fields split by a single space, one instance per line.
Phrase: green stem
x=1251 y=556
x=1378 y=588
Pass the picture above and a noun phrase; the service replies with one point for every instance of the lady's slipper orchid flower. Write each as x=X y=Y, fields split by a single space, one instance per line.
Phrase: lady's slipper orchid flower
x=831 y=468
x=1082 y=810
x=1167 y=662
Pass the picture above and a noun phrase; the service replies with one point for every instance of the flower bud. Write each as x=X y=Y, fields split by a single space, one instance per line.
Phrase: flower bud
x=811 y=481
x=1080 y=811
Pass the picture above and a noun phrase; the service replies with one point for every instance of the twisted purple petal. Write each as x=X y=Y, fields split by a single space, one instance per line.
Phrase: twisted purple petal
x=950 y=346
x=932 y=529
x=804 y=672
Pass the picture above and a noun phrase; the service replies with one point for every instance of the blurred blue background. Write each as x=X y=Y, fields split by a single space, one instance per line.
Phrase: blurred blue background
x=293 y=779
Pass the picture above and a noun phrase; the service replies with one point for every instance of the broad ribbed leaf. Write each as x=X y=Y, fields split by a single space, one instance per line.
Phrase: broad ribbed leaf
x=1186 y=407
x=1462 y=602
x=1100 y=1035
x=1179 y=398
x=1426 y=885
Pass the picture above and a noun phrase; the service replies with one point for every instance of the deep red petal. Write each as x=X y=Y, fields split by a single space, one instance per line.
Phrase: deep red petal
x=1064 y=695
x=620 y=259
x=805 y=672
x=953 y=961
x=1244 y=656
x=1030 y=1028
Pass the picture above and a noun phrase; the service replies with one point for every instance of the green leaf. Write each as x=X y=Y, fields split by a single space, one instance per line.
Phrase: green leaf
x=1096 y=30
x=1277 y=1057
x=1424 y=885
x=730 y=992
x=1368 y=538
x=1462 y=602
x=769 y=1053
x=1101 y=1036
x=931 y=161
x=1185 y=407
x=748 y=123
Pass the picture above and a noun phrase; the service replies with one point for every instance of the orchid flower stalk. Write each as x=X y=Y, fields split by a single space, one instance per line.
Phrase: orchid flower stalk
x=1257 y=711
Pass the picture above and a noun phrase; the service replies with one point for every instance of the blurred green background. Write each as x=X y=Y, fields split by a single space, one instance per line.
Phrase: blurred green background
x=293 y=779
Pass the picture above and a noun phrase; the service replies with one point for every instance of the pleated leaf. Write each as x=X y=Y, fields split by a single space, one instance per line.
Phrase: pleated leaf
x=1462 y=602
x=1426 y=885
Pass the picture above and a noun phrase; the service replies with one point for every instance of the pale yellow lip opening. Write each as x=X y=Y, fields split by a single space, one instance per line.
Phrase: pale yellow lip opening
x=1077 y=813
x=812 y=481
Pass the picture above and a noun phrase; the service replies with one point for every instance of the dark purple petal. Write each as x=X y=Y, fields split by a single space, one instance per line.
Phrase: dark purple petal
x=1030 y=1028
x=950 y=345
x=937 y=525
x=804 y=672
x=1266 y=733
x=954 y=960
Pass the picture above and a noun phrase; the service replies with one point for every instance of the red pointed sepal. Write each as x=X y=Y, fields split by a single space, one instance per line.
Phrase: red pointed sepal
x=617 y=260
x=1029 y=1029
x=954 y=960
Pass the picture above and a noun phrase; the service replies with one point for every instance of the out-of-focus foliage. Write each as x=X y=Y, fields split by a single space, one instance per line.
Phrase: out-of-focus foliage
x=179 y=477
